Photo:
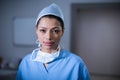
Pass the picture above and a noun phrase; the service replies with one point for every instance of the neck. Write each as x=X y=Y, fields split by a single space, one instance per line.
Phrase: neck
x=49 y=50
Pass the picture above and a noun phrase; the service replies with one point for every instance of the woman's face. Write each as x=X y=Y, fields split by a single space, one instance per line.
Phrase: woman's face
x=49 y=33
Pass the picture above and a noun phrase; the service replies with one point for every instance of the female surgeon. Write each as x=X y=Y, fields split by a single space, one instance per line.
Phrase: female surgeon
x=50 y=61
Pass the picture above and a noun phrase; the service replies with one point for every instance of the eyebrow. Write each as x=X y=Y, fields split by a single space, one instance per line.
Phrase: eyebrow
x=56 y=28
x=52 y=28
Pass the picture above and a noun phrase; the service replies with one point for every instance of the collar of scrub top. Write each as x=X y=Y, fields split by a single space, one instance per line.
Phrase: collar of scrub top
x=52 y=9
x=37 y=55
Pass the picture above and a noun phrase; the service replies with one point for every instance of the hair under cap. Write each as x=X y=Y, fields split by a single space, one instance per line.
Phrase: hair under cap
x=52 y=9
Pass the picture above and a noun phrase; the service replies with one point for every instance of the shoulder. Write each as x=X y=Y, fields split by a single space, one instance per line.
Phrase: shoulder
x=72 y=56
x=26 y=58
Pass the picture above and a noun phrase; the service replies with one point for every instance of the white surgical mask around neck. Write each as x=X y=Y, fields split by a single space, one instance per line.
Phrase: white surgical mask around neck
x=44 y=57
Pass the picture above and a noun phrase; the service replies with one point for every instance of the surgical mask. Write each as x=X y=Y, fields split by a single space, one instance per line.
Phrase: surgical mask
x=44 y=57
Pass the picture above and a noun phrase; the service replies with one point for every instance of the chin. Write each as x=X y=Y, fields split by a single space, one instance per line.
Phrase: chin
x=48 y=47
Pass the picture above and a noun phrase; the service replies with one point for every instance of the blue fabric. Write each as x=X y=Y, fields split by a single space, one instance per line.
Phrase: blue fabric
x=53 y=9
x=67 y=66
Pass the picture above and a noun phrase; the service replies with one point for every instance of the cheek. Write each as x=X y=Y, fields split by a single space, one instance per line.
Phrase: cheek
x=40 y=37
x=57 y=38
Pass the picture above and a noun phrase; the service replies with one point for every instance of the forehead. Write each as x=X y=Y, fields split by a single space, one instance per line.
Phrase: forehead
x=47 y=22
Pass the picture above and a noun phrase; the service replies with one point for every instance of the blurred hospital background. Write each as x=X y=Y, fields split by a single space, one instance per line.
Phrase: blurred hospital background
x=92 y=31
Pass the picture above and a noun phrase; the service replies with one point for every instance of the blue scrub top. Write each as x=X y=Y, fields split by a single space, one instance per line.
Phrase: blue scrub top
x=67 y=66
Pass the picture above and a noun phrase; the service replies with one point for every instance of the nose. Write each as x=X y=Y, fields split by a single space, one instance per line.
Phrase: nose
x=48 y=35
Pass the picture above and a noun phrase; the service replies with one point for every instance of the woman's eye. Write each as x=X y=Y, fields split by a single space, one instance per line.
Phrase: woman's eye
x=42 y=30
x=56 y=31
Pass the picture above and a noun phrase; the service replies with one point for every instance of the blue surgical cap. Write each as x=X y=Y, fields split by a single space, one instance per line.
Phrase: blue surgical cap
x=53 y=9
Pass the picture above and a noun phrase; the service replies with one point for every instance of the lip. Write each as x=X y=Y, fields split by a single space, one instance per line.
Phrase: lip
x=48 y=43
